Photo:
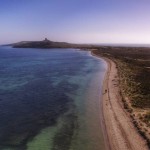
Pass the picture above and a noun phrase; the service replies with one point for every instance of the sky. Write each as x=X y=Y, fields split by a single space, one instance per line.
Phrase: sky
x=75 y=21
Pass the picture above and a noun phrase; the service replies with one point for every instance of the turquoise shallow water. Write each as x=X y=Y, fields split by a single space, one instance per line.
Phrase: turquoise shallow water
x=50 y=99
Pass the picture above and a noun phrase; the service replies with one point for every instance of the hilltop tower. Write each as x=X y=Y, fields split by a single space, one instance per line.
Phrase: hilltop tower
x=46 y=40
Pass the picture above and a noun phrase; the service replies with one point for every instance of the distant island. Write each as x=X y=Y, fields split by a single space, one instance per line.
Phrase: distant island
x=47 y=44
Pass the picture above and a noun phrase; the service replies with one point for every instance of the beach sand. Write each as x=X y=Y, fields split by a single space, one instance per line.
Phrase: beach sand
x=119 y=131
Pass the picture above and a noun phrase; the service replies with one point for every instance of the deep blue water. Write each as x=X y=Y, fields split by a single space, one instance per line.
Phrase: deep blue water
x=35 y=89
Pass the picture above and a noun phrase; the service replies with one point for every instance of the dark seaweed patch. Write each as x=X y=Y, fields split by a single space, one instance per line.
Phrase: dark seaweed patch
x=63 y=138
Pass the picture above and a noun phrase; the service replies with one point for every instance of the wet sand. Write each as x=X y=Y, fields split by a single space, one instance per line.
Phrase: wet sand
x=119 y=131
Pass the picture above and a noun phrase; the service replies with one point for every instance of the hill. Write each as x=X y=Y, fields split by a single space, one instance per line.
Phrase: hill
x=47 y=44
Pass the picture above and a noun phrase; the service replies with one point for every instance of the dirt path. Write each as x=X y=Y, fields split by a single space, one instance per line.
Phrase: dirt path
x=121 y=133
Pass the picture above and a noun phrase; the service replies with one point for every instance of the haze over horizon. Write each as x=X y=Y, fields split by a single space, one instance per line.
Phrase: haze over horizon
x=76 y=21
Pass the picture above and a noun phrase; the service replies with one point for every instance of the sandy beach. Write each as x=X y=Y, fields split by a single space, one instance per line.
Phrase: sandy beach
x=119 y=131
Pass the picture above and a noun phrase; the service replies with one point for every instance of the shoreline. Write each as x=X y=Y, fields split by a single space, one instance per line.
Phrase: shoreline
x=117 y=125
x=102 y=120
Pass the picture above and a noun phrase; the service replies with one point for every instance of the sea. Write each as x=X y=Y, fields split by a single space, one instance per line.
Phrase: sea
x=50 y=99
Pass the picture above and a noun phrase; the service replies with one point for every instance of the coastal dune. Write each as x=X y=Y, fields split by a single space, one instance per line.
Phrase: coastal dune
x=120 y=131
